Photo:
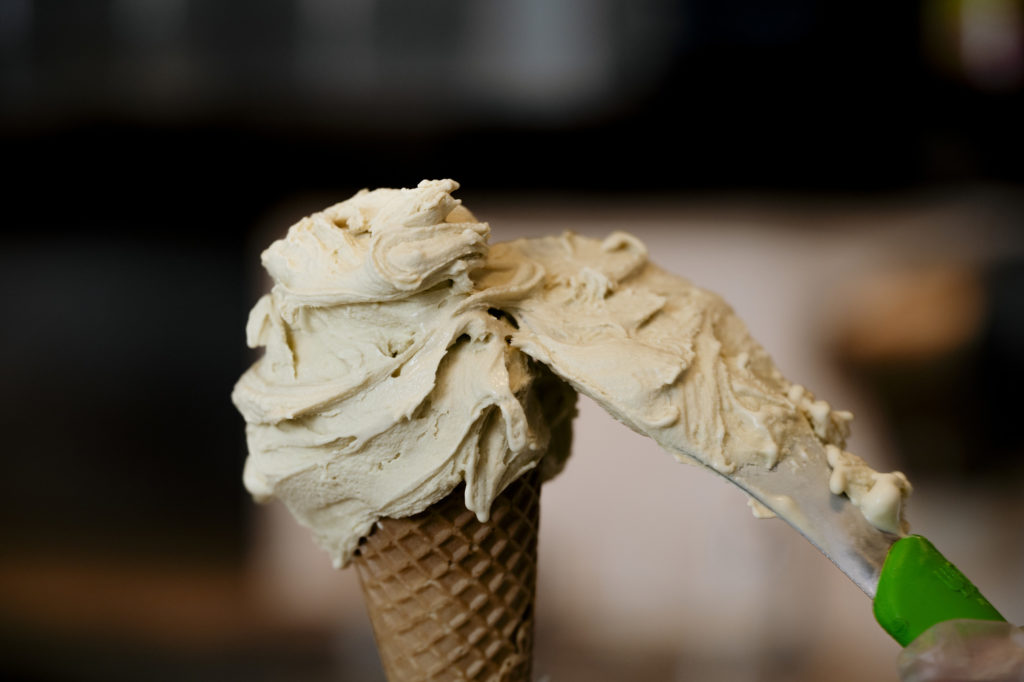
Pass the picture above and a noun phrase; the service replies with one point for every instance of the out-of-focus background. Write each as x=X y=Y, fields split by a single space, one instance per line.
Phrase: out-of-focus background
x=850 y=176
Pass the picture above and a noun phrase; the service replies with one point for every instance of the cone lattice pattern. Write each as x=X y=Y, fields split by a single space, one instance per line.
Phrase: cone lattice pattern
x=451 y=598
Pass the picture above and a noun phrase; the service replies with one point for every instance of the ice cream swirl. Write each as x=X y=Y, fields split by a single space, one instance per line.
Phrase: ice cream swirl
x=385 y=382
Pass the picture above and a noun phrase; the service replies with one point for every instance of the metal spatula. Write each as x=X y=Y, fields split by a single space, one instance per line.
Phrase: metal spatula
x=912 y=585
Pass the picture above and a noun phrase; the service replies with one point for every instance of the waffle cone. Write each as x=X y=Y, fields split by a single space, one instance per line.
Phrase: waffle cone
x=451 y=598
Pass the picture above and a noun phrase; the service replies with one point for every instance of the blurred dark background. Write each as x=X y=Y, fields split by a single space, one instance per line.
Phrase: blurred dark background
x=146 y=141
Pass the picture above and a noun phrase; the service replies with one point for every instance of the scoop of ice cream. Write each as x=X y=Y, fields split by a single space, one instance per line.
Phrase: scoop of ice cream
x=386 y=382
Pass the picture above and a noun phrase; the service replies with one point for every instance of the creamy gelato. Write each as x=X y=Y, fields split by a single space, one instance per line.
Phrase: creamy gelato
x=404 y=356
x=386 y=381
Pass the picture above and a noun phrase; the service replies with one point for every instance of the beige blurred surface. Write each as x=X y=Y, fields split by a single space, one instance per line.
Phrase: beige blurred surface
x=655 y=570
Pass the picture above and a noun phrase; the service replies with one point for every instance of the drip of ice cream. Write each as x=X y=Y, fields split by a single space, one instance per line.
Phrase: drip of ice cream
x=878 y=496
x=404 y=356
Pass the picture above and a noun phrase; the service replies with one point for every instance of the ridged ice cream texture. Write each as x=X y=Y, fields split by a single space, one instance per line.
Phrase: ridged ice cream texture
x=404 y=356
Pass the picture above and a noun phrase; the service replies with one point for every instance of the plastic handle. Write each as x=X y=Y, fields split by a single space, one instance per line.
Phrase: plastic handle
x=918 y=588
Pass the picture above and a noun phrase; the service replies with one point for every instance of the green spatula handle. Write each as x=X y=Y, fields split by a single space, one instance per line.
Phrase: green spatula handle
x=918 y=588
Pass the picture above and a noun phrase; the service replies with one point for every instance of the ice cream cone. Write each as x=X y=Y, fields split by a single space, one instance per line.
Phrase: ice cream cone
x=451 y=598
